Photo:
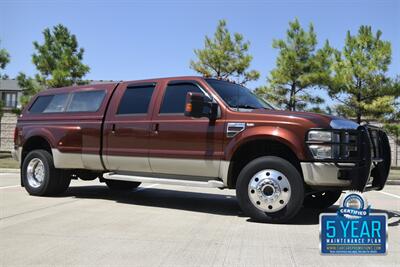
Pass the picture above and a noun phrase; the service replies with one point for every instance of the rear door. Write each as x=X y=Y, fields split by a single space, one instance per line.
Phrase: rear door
x=127 y=128
x=181 y=145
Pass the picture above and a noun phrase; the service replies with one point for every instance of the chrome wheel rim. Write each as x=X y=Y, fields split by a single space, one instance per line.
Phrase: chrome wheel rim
x=35 y=173
x=269 y=190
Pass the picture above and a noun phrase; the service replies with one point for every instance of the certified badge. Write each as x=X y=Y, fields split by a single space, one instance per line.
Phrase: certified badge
x=353 y=229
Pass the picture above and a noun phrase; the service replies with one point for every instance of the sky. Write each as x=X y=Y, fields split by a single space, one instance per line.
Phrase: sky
x=130 y=40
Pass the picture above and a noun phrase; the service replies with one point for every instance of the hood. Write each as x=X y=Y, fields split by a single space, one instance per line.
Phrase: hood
x=320 y=120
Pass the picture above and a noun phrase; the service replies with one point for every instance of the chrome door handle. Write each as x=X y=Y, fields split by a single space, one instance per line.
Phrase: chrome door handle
x=155 y=128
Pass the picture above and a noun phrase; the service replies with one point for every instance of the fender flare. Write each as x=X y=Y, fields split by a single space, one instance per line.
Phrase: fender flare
x=42 y=133
x=273 y=133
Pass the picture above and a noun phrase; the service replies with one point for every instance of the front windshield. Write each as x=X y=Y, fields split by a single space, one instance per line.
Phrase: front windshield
x=237 y=96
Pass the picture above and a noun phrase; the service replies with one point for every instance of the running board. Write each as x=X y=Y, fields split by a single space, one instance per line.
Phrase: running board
x=142 y=179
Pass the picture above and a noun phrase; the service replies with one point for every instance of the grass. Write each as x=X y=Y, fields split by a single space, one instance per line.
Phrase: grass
x=394 y=174
x=7 y=162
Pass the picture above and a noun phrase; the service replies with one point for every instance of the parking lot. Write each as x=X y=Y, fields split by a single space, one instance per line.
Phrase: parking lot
x=158 y=225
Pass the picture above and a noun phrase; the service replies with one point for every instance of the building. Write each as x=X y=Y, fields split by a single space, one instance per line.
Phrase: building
x=10 y=93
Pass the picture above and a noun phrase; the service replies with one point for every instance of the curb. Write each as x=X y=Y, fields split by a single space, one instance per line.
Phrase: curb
x=393 y=182
x=9 y=170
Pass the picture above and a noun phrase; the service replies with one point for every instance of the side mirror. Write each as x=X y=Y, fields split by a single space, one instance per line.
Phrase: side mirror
x=199 y=105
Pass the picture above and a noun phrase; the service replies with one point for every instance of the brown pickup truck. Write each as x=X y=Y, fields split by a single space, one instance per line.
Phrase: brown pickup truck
x=196 y=131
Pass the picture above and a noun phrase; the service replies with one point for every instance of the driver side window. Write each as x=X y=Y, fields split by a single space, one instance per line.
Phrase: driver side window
x=175 y=97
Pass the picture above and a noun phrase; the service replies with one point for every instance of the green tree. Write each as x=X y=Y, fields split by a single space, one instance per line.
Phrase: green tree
x=392 y=125
x=225 y=57
x=360 y=81
x=300 y=68
x=58 y=62
x=4 y=60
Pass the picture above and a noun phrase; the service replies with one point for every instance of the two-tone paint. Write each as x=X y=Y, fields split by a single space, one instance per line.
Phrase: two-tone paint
x=165 y=144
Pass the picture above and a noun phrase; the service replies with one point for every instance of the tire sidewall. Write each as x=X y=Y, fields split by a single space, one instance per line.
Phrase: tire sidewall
x=295 y=181
x=47 y=168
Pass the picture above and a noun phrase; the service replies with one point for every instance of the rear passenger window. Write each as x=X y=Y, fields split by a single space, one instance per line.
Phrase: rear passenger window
x=57 y=103
x=40 y=104
x=175 y=97
x=136 y=100
x=49 y=104
x=88 y=101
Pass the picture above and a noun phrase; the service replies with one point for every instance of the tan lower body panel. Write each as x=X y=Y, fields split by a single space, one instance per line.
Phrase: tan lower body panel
x=194 y=167
x=189 y=167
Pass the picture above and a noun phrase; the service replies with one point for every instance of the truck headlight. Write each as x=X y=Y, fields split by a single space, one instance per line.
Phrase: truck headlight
x=321 y=151
x=320 y=143
x=332 y=144
x=323 y=136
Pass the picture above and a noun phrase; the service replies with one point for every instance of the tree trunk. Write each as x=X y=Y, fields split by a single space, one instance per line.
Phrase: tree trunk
x=292 y=100
x=358 y=117
x=358 y=102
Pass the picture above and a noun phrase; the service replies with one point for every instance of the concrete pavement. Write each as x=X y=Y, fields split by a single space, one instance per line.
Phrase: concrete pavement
x=160 y=225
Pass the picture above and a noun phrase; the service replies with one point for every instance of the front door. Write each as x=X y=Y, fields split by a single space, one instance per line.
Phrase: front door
x=181 y=145
x=127 y=128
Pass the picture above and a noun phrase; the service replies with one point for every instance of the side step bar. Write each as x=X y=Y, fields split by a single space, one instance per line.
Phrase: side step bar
x=133 y=178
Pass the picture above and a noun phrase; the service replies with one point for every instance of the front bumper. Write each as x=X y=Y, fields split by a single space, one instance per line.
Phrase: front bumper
x=369 y=170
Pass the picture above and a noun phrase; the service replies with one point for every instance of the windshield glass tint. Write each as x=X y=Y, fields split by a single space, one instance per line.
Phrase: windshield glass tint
x=237 y=96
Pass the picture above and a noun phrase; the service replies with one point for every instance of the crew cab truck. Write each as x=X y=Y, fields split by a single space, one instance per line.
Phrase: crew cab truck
x=196 y=131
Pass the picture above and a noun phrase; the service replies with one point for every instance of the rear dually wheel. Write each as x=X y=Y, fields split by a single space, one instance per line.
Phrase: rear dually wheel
x=40 y=177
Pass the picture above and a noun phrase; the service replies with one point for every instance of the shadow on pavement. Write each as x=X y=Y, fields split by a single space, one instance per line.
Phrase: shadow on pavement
x=393 y=217
x=164 y=198
x=219 y=204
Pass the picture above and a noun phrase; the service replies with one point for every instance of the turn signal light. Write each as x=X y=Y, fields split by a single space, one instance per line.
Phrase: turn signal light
x=188 y=107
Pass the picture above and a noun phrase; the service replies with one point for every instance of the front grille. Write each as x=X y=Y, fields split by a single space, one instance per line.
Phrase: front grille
x=345 y=145
x=351 y=145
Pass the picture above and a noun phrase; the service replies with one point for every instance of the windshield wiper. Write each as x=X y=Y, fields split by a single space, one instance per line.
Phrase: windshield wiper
x=246 y=106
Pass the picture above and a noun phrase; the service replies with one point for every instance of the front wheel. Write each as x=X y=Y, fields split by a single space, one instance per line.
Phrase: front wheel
x=321 y=200
x=270 y=189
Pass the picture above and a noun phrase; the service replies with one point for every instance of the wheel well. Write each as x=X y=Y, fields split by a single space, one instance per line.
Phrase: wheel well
x=35 y=142
x=258 y=148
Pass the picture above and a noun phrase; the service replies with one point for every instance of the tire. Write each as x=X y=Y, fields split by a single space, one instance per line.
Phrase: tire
x=121 y=185
x=270 y=189
x=321 y=200
x=40 y=177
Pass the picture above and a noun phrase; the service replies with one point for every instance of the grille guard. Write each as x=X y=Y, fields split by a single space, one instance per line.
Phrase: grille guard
x=369 y=169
